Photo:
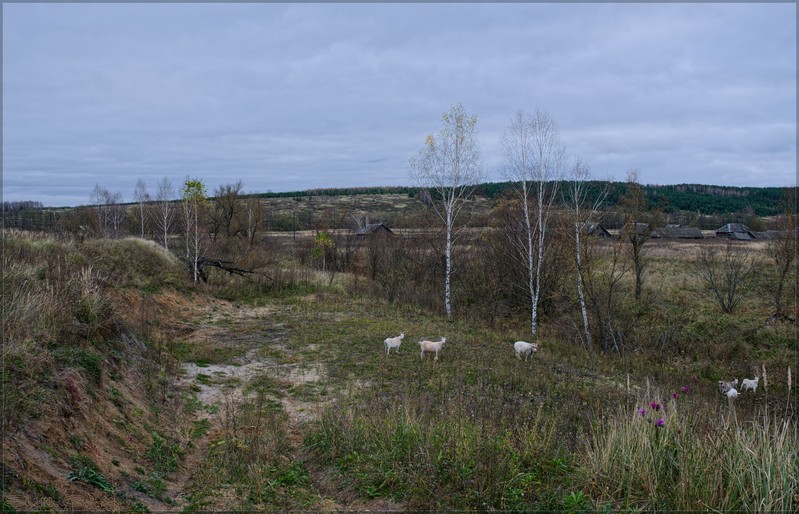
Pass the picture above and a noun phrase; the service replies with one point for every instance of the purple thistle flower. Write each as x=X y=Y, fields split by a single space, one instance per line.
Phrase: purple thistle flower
x=655 y=406
x=675 y=395
x=641 y=411
x=685 y=390
x=660 y=423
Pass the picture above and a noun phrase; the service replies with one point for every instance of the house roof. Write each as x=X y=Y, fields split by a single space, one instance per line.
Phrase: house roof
x=737 y=231
x=768 y=234
x=733 y=227
x=639 y=228
x=592 y=229
x=678 y=233
x=370 y=228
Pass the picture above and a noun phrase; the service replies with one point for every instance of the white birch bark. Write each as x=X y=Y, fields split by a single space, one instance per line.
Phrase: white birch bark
x=577 y=192
x=449 y=165
x=140 y=196
x=534 y=156
x=164 y=214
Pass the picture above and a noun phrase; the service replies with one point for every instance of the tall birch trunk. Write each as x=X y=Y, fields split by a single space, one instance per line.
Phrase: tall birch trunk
x=448 y=272
x=579 y=266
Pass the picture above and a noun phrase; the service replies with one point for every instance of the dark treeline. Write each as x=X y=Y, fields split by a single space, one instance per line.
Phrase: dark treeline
x=27 y=215
x=346 y=191
x=698 y=198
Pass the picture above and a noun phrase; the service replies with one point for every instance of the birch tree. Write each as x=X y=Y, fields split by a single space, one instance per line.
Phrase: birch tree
x=583 y=216
x=116 y=212
x=99 y=198
x=194 y=198
x=109 y=211
x=164 y=214
x=141 y=197
x=534 y=159
x=449 y=165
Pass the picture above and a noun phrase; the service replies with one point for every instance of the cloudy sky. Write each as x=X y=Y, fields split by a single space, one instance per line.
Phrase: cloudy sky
x=291 y=97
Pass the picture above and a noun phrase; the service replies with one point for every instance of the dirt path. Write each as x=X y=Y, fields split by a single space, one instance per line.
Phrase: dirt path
x=259 y=344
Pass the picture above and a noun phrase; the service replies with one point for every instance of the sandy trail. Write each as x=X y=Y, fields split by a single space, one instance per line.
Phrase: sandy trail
x=222 y=385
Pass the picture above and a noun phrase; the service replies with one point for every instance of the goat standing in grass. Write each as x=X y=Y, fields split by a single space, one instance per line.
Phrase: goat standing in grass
x=393 y=342
x=726 y=386
x=525 y=348
x=750 y=383
x=431 y=346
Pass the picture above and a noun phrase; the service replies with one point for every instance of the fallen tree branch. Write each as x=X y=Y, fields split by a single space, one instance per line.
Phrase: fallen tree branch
x=217 y=263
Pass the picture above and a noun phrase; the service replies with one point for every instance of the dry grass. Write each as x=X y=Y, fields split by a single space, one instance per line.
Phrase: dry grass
x=700 y=458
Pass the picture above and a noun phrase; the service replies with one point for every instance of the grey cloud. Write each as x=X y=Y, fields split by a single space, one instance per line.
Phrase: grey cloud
x=315 y=95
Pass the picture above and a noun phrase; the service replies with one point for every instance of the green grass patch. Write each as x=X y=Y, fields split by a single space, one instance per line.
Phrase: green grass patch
x=85 y=470
x=204 y=352
x=200 y=428
x=164 y=455
x=204 y=379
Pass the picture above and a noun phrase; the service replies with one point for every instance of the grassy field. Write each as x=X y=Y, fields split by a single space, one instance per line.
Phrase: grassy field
x=274 y=392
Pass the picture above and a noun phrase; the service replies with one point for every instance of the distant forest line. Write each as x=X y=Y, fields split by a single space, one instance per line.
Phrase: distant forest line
x=704 y=206
x=702 y=199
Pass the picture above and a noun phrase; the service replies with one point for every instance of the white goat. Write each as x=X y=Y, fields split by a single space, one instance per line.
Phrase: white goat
x=431 y=346
x=750 y=384
x=393 y=342
x=524 y=348
x=732 y=394
x=726 y=386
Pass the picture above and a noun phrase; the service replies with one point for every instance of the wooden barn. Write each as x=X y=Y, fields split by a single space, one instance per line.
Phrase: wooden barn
x=736 y=231
x=637 y=229
x=593 y=229
x=674 y=231
x=374 y=229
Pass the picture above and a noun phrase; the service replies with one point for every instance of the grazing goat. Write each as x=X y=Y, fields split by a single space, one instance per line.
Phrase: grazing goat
x=393 y=342
x=726 y=386
x=732 y=394
x=750 y=384
x=431 y=346
x=524 y=348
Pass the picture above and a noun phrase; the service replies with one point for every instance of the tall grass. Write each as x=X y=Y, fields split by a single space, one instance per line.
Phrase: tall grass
x=700 y=458
x=429 y=452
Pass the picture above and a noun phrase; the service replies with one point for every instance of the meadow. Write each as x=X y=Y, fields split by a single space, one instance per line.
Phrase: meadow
x=126 y=387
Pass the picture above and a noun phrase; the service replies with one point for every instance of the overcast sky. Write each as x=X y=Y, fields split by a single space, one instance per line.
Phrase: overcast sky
x=300 y=96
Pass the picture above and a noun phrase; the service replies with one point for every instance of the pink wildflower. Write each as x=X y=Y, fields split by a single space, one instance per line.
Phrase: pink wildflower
x=660 y=423
x=675 y=395
x=685 y=390
x=641 y=411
